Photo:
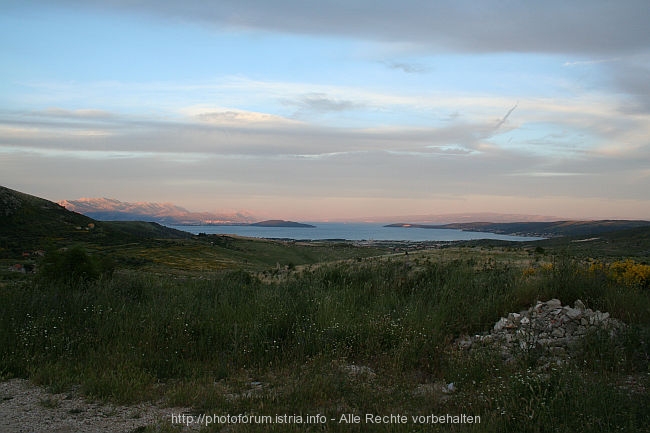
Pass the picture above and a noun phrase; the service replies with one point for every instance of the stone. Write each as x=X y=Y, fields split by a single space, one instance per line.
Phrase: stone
x=525 y=321
x=554 y=303
x=356 y=371
x=500 y=324
x=570 y=328
x=573 y=313
x=557 y=333
x=465 y=343
x=579 y=305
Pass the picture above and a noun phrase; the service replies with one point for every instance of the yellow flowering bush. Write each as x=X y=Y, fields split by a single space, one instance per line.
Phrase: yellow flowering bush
x=624 y=272
x=630 y=273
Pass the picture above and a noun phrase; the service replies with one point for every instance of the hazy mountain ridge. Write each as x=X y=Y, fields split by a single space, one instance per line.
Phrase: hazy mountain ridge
x=109 y=209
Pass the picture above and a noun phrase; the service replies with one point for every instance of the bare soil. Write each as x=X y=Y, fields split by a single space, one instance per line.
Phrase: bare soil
x=25 y=408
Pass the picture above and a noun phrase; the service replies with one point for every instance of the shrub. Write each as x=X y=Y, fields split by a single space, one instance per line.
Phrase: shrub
x=630 y=273
x=74 y=265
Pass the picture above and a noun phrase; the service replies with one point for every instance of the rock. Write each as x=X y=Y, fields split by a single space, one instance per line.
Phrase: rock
x=553 y=329
x=557 y=351
x=465 y=342
x=601 y=317
x=554 y=303
x=356 y=371
x=500 y=324
x=449 y=388
x=573 y=313
x=570 y=328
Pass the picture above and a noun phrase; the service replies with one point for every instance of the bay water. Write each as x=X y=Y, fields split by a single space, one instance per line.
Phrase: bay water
x=350 y=231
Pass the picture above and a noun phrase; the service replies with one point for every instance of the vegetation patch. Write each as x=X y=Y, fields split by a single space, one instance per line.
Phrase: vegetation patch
x=370 y=336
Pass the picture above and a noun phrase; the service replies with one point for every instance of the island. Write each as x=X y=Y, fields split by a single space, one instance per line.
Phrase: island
x=281 y=223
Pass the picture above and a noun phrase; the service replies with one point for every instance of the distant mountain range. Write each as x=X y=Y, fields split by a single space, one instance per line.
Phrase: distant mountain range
x=108 y=209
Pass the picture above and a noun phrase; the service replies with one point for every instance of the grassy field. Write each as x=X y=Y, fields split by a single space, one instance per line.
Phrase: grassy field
x=333 y=331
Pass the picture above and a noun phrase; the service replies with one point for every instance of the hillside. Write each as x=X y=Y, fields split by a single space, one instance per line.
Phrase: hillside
x=538 y=228
x=633 y=242
x=29 y=223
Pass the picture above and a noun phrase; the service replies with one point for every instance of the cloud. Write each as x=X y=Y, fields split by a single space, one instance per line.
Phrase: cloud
x=230 y=131
x=505 y=118
x=632 y=77
x=546 y=174
x=235 y=117
x=321 y=103
x=102 y=155
x=245 y=162
x=408 y=67
x=551 y=26
x=590 y=62
x=76 y=114
x=580 y=146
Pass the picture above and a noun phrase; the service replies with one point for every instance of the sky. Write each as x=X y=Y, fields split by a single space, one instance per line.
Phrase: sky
x=331 y=109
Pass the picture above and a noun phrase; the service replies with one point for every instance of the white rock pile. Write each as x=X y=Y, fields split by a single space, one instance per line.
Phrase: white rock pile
x=551 y=330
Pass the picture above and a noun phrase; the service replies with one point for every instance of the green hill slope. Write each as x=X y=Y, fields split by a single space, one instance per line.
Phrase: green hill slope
x=29 y=223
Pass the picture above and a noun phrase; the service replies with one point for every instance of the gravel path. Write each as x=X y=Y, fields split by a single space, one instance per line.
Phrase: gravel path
x=25 y=408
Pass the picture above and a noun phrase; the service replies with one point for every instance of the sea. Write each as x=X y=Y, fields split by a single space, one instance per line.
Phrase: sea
x=351 y=232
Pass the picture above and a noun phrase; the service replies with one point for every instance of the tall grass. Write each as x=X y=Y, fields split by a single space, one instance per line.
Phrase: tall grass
x=136 y=337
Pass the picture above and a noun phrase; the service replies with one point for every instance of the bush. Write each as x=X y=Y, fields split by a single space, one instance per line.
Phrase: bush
x=74 y=265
